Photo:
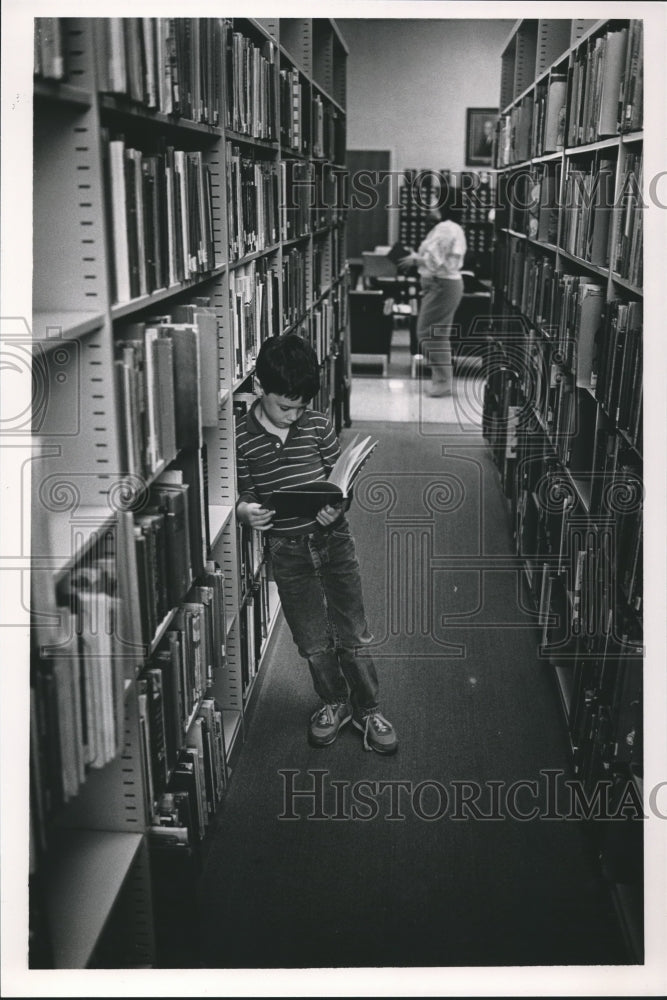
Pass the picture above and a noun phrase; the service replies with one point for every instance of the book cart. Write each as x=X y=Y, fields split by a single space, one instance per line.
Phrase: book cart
x=563 y=401
x=187 y=205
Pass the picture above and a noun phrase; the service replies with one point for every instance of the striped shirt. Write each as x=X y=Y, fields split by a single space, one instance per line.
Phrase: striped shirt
x=264 y=463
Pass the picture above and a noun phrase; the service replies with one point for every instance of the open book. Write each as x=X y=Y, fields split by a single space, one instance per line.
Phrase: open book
x=306 y=500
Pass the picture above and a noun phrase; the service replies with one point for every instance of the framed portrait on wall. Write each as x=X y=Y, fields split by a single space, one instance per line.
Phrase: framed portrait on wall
x=480 y=128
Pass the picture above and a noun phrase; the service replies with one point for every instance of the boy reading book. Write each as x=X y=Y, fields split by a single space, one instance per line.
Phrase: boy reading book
x=283 y=445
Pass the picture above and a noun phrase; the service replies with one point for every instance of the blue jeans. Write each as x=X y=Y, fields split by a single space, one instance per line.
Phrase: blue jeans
x=319 y=585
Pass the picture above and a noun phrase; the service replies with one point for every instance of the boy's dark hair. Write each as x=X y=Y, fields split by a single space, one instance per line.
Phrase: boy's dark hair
x=288 y=366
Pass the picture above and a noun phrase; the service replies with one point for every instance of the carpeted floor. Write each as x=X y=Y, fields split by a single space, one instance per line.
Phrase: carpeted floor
x=401 y=874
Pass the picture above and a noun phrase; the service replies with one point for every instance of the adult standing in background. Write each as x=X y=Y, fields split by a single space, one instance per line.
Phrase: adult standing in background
x=439 y=260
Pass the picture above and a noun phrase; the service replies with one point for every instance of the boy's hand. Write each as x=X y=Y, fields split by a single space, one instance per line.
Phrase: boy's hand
x=327 y=515
x=255 y=516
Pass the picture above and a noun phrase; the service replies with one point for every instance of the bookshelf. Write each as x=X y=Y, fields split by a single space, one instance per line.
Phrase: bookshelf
x=563 y=404
x=187 y=205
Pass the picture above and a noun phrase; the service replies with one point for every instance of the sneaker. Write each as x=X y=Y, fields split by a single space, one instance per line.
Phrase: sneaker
x=379 y=734
x=326 y=721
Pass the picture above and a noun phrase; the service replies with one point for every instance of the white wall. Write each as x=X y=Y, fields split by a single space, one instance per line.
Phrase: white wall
x=409 y=83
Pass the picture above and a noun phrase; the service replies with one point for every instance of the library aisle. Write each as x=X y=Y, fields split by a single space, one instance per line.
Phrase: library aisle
x=382 y=864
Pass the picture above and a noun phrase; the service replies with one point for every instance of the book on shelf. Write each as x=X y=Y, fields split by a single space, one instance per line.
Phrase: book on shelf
x=250 y=94
x=210 y=711
x=214 y=579
x=171 y=502
x=198 y=741
x=201 y=315
x=631 y=96
x=185 y=645
x=164 y=663
x=609 y=85
x=186 y=778
x=100 y=710
x=556 y=107
x=157 y=729
x=308 y=499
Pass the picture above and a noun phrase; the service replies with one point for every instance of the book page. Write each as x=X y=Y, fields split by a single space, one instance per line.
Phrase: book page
x=350 y=462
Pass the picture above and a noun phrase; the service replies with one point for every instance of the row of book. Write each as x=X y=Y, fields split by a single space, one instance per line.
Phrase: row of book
x=600 y=96
x=251 y=85
x=603 y=569
x=535 y=126
x=253 y=203
x=578 y=308
x=77 y=696
x=328 y=131
x=196 y=783
x=597 y=226
x=175 y=679
x=254 y=292
x=596 y=553
x=549 y=115
x=291 y=201
x=573 y=311
x=589 y=206
x=512 y=142
x=526 y=279
x=601 y=342
x=606 y=86
x=162 y=553
x=160 y=217
x=50 y=48
x=163 y=400
x=166 y=64
x=588 y=604
x=528 y=202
